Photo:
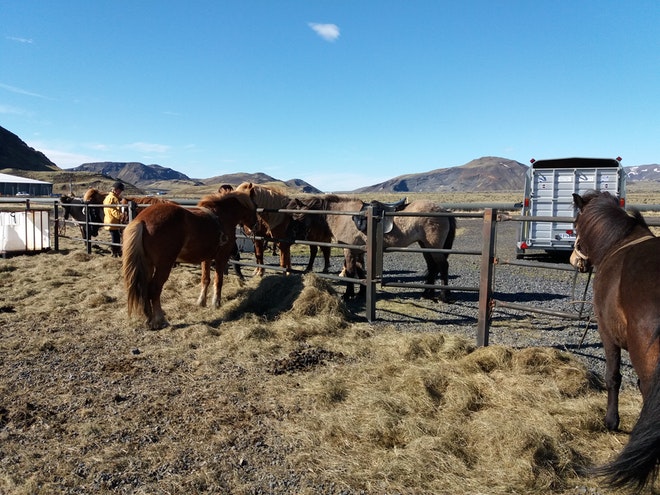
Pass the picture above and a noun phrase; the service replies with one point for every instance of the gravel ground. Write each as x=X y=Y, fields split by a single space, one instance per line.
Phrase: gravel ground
x=556 y=290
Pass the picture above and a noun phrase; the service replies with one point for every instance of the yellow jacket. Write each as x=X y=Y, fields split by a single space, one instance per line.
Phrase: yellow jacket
x=113 y=214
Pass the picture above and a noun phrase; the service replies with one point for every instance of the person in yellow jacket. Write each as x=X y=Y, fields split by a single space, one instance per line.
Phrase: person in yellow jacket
x=112 y=216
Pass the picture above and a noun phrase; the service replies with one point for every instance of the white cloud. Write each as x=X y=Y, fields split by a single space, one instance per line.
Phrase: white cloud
x=65 y=159
x=329 y=32
x=19 y=91
x=9 y=110
x=148 y=147
x=20 y=40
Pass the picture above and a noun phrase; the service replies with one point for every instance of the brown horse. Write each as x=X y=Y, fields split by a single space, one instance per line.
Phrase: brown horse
x=627 y=304
x=314 y=228
x=166 y=233
x=436 y=232
x=132 y=205
x=76 y=208
x=95 y=197
x=271 y=223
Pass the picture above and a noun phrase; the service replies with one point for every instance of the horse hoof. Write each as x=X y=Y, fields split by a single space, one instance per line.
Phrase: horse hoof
x=158 y=325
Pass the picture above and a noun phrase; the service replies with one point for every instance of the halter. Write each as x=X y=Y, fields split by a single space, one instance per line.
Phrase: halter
x=583 y=258
x=639 y=240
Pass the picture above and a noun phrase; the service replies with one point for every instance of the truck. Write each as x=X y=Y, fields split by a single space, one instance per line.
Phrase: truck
x=549 y=188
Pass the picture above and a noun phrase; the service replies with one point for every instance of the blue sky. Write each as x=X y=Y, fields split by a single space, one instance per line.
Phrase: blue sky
x=342 y=94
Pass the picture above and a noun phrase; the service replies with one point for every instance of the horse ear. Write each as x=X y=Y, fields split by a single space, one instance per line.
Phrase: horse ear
x=579 y=202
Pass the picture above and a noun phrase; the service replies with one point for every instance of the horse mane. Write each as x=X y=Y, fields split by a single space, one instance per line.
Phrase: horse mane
x=602 y=223
x=266 y=196
x=321 y=202
x=93 y=193
x=147 y=200
x=211 y=200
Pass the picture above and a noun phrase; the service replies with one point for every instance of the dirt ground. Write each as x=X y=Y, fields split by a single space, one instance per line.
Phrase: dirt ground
x=286 y=389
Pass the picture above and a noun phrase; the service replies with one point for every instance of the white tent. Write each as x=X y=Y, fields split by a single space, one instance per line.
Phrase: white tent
x=11 y=185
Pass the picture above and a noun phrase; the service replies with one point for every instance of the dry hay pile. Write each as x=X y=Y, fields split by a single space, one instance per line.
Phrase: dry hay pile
x=276 y=392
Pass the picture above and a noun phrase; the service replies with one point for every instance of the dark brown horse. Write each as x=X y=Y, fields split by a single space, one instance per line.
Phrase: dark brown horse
x=310 y=227
x=271 y=223
x=166 y=233
x=436 y=232
x=627 y=304
x=78 y=210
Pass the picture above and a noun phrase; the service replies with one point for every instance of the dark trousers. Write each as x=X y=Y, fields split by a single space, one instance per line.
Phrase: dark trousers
x=115 y=235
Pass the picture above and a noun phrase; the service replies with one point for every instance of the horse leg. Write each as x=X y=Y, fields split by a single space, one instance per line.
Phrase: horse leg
x=285 y=256
x=348 y=271
x=612 y=380
x=157 y=319
x=206 y=280
x=432 y=270
x=353 y=268
x=443 y=264
x=236 y=256
x=326 y=258
x=312 y=256
x=220 y=263
x=259 y=257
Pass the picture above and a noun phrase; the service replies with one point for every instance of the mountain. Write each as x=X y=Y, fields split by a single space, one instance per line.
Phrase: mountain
x=483 y=174
x=643 y=173
x=135 y=173
x=261 y=178
x=16 y=155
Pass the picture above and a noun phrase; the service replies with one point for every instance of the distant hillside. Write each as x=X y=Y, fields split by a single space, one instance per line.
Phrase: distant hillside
x=643 y=173
x=261 y=178
x=15 y=154
x=133 y=172
x=483 y=174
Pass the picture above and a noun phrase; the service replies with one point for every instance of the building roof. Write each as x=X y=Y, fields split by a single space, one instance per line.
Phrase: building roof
x=14 y=179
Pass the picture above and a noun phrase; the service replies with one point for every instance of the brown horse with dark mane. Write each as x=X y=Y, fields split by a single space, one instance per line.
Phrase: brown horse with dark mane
x=76 y=208
x=271 y=223
x=627 y=304
x=165 y=233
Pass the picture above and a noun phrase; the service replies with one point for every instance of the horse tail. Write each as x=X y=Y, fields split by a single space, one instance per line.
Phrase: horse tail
x=637 y=464
x=137 y=270
x=451 y=235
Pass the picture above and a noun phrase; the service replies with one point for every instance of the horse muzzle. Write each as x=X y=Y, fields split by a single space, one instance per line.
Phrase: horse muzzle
x=578 y=259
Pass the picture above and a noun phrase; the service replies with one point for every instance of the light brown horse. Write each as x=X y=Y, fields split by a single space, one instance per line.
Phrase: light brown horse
x=132 y=205
x=166 y=233
x=627 y=304
x=436 y=232
x=272 y=223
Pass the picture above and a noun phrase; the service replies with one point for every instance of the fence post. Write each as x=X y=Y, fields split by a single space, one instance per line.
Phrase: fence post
x=88 y=237
x=371 y=269
x=56 y=222
x=486 y=276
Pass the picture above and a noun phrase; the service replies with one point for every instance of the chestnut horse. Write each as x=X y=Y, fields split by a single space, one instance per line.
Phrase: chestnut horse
x=271 y=223
x=437 y=232
x=627 y=305
x=133 y=203
x=95 y=197
x=166 y=233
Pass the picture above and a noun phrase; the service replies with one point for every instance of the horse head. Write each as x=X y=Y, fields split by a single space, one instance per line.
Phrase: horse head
x=66 y=205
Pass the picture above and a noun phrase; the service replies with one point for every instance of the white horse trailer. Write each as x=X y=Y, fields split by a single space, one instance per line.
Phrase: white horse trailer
x=549 y=188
